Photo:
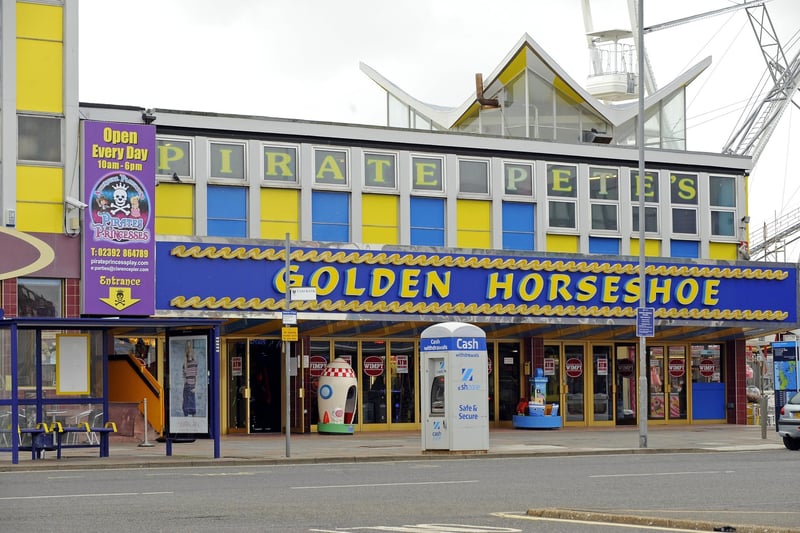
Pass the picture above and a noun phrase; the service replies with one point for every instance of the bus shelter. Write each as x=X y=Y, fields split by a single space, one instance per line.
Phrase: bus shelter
x=54 y=373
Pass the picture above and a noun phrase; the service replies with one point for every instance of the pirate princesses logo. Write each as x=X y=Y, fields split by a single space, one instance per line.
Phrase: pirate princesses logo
x=120 y=210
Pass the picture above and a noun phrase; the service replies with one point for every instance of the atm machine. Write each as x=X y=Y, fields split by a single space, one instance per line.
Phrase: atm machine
x=455 y=388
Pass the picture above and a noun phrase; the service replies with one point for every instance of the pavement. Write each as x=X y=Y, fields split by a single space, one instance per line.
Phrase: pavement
x=276 y=448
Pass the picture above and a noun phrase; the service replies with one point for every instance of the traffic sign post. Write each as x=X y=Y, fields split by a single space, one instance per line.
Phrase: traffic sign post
x=645 y=322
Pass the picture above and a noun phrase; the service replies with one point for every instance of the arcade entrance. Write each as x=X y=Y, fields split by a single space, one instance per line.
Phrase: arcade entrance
x=254 y=386
x=596 y=384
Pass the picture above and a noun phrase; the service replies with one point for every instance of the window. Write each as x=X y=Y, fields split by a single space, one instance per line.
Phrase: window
x=562 y=183
x=227 y=160
x=518 y=226
x=280 y=163
x=330 y=167
x=473 y=177
x=427 y=174
x=380 y=170
x=650 y=219
x=518 y=179
x=398 y=112
x=427 y=221
x=722 y=194
x=39 y=297
x=331 y=216
x=683 y=193
x=651 y=196
x=174 y=156
x=604 y=196
x=39 y=139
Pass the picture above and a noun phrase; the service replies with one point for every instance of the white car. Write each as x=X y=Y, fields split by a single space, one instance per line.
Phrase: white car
x=789 y=423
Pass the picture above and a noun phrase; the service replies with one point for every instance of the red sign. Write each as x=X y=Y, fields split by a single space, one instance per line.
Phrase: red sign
x=574 y=367
x=677 y=368
x=707 y=367
x=373 y=366
x=549 y=366
x=625 y=368
x=316 y=365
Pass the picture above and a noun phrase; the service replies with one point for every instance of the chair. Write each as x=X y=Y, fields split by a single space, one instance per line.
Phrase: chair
x=5 y=429
x=80 y=418
x=95 y=421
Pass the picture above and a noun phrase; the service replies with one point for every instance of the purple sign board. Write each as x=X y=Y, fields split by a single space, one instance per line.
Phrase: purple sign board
x=119 y=162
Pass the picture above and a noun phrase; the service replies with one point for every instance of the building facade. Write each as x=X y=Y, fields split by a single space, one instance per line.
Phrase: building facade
x=517 y=211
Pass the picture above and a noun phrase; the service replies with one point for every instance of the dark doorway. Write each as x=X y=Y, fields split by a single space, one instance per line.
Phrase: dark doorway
x=265 y=383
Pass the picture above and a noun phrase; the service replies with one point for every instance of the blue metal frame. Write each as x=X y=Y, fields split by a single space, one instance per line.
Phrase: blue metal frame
x=106 y=327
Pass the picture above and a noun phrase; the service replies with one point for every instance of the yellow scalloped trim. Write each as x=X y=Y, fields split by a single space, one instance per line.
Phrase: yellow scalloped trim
x=270 y=304
x=408 y=259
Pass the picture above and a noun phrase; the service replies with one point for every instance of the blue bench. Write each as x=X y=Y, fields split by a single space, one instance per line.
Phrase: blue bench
x=38 y=444
x=83 y=428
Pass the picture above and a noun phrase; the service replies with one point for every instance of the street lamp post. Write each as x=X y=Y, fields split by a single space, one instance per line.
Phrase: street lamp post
x=642 y=407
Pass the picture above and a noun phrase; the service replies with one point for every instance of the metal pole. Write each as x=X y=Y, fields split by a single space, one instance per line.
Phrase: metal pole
x=146 y=443
x=642 y=290
x=286 y=350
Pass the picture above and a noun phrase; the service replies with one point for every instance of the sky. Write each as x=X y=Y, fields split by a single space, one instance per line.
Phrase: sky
x=299 y=59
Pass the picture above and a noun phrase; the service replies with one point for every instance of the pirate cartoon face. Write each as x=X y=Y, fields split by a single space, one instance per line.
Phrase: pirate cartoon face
x=121 y=210
x=120 y=200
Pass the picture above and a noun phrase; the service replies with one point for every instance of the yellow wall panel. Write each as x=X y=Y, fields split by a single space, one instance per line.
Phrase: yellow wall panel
x=40 y=217
x=280 y=213
x=280 y=204
x=474 y=215
x=562 y=243
x=37 y=21
x=278 y=230
x=723 y=250
x=379 y=219
x=174 y=200
x=174 y=209
x=40 y=184
x=174 y=226
x=379 y=210
x=39 y=76
x=474 y=224
x=379 y=235
x=474 y=239
x=652 y=248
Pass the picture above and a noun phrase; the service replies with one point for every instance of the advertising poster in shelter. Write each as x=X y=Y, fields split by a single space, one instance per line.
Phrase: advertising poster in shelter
x=188 y=379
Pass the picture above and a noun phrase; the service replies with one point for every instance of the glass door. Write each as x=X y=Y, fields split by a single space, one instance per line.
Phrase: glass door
x=676 y=382
x=602 y=384
x=238 y=392
x=625 y=384
x=552 y=371
x=403 y=370
x=373 y=382
x=655 y=384
x=264 y=373
x=508 y=378
x=574 y=377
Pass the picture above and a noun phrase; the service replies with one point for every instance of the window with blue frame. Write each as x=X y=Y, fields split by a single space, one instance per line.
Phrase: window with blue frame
x=227 y=211
x=427 y=221
x=330 y=216
x=518 y=226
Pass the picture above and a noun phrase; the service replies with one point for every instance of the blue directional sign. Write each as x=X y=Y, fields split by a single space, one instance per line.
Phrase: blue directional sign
x=645 y=322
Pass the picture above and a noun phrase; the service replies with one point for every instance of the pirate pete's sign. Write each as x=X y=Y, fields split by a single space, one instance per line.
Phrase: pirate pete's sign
x=119 y=248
